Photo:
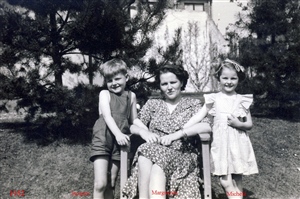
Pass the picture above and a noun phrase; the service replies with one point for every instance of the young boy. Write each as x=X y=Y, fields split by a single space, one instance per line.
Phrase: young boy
x=117 y=109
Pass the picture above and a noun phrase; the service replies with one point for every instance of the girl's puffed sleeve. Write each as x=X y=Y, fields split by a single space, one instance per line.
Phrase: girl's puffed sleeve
x=246 y=101
x=210 y=103
x=147 y=112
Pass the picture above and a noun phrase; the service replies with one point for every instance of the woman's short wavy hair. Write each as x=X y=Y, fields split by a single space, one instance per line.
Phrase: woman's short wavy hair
x=177 y=70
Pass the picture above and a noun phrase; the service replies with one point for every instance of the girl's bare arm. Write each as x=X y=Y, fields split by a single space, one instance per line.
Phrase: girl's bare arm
x=242 y=125
x=197 y=117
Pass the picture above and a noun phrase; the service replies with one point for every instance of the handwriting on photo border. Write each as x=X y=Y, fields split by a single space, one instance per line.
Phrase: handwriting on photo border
x=163 y=193
x=19 y=193
x=236 y=193
x=75 y=193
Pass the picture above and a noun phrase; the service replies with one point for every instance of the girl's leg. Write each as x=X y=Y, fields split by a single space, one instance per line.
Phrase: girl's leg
x=145 y=166
x=110 y=188
x=230 y=187
x=157 y=182
x=226 y=183
x=237 y=183
x=101 y=165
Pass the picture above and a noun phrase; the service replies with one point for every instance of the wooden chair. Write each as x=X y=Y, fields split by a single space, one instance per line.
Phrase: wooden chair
x=205 y=143
x=205 y=146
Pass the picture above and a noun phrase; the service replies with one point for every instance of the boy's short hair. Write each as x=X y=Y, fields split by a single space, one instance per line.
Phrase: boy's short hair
x=113 y=67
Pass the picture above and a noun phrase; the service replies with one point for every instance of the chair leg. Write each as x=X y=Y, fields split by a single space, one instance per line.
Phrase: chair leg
x=205 y=141
x=124 y=168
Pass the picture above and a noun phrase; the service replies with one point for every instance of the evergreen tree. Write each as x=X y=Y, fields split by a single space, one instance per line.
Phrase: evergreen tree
x=41 y=29
x=37 y=36
x=114 y=31
x=271 y=51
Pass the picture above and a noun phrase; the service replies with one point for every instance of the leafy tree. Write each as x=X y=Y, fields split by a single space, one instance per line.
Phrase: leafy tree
x=271 y=51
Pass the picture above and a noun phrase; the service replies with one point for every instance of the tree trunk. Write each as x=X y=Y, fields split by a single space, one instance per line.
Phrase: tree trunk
x=90 y=70
x=56 y=57
x=58 y=72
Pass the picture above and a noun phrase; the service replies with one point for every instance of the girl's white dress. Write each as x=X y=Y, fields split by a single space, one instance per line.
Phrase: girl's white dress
x=231 y=149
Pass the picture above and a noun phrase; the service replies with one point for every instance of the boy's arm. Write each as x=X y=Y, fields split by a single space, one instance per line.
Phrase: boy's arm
x=197 y=117
x=104 y=107
x=236 y=123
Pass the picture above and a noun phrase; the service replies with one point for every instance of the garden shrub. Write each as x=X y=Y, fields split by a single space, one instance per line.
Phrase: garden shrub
x=59 y=112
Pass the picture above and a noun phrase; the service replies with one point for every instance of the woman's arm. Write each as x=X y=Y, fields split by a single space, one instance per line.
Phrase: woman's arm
x=139 y=127
x=133 y=114
x=236 y=123
x=133 y=111
x=193 y=130
x=140 y=124
x=147 y=135
x=104 y=108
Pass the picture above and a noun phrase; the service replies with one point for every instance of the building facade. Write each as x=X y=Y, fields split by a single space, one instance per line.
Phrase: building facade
x=201 y=41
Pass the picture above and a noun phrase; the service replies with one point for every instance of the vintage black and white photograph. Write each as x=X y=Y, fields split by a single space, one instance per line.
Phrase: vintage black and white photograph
x=140 y=99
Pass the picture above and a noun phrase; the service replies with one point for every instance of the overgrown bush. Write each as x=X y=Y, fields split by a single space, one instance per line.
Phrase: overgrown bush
x=59 y=112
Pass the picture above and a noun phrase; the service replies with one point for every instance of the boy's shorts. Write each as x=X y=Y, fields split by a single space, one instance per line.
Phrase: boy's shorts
x=104 y=142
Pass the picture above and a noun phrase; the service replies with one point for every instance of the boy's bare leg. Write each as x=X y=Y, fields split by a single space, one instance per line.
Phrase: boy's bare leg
x=101 y=165
x=110 y=188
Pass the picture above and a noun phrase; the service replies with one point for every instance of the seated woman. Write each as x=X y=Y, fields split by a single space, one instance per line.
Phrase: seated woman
x=167 y=163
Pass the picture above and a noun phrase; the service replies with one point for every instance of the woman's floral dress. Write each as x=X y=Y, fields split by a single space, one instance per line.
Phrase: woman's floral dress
x=179 y=160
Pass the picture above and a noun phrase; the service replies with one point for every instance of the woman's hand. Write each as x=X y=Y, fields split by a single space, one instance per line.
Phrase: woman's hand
x=149 y=136
x=167 y=140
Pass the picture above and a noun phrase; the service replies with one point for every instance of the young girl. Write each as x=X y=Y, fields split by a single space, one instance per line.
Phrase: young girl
x=232 y=154
x=117 y=108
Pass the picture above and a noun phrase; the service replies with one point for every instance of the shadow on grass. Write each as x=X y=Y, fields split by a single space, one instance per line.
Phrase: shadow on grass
x=249 y=194
x=35 y=134
x=288 y=116
x=285 y=112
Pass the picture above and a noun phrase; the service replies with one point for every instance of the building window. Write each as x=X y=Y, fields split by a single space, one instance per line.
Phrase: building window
x=194 y=7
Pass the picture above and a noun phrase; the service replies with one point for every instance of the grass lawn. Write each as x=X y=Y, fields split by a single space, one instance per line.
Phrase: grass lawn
x=61 y=168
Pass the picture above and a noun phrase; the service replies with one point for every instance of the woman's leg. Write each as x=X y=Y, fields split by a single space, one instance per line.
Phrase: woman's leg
x=101 y=164
x=157 y=185
x=110 y=187
x=145 y=167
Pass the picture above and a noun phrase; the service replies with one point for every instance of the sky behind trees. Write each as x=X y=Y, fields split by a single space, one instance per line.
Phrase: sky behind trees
x=224 y=12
